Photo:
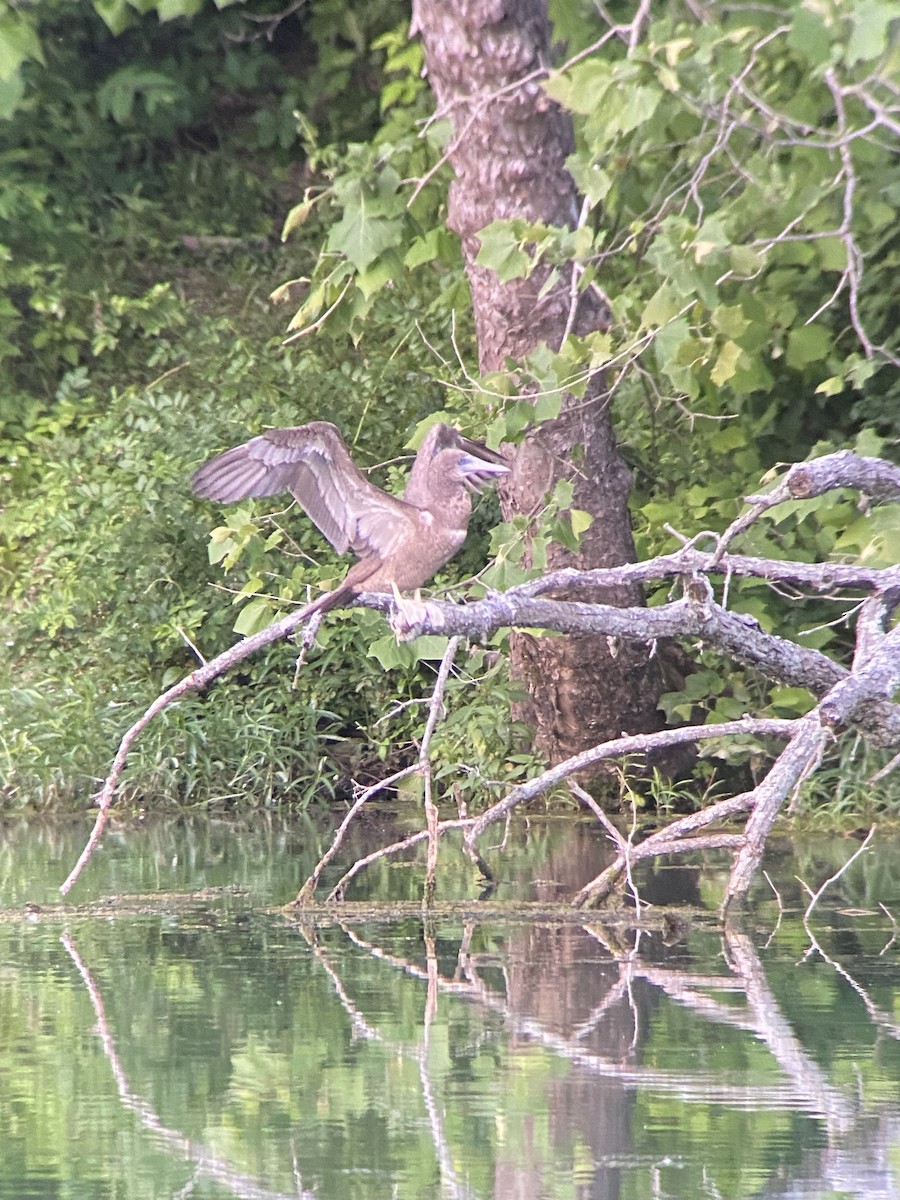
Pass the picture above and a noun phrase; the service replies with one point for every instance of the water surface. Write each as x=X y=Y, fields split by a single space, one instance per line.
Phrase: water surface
x=220 y=1047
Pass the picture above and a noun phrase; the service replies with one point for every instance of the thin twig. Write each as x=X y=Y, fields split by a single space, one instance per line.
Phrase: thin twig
x=816 y=896
x=317 y=324
x=894 y=926
x=407 y=843
x=198 y=679
x=306 y=893
x=435 y=713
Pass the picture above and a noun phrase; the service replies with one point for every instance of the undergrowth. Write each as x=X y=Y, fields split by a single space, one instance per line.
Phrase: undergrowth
x=138 y=248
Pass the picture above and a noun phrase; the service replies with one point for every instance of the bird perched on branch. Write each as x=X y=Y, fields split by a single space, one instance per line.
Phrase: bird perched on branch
x=399 y=543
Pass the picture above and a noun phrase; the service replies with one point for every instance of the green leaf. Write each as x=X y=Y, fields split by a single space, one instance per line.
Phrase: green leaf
x=117 y=94
x=361 y=235
x=726 y=438
x=582 y=88
x=808 y=344
x=581 y=521
x=640 y=104
x=434 y=244
x=832 y=254
x=168 y=10
x=309 y=310
x=391 y=654
x=675 y=351
x=711 y=236
x=871 y=19
x=374 y=278
x=590 y=178
x=221 y=543
x=504 y=574
x=501 y=252
x=809 y=37
x=791 y=701
x=253 y=617
x=253 y=585
x=295 y=218
x=662 y=306
x=18 y=42
x=745 y=260
x=421 y=430
x=563 y=493
x=726 y=363
x=547 y=407
x=730 y=320
x=869 y=444
x=861 y=370
x=11 y=92
x=874 y=539
x=833 y=386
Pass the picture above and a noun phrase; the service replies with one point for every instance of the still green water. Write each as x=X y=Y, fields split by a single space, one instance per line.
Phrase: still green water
x=222 y=1048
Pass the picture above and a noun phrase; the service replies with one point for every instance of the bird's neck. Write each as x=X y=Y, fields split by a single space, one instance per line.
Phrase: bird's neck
x=448 y=505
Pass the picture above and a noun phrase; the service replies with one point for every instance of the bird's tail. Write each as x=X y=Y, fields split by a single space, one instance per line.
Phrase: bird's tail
x=329 y=600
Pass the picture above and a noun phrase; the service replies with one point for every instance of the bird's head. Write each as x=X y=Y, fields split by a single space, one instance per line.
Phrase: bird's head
x=451 y=468
x=475 y=472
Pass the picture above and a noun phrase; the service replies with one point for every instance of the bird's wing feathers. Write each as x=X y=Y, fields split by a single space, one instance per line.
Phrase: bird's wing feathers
x=312 y=462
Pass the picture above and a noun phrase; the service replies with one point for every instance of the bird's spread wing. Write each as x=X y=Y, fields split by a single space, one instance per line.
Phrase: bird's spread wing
x=312 y=462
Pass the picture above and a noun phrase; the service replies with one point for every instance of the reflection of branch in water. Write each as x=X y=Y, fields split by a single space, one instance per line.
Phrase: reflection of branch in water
x=358 y=1023
x=800 y=1092
x=815 y=897
x=205 y=1163
x=436 y=1123
x=890 y=916
x=878 y=1016
x=772 y=1028
x=363 y=1028
x=435 y=1117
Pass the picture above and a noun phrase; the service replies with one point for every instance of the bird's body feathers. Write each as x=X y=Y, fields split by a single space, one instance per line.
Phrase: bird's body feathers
x=399 y=542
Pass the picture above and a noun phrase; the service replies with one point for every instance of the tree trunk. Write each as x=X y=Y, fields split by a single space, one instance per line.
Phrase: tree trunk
x=508 y=153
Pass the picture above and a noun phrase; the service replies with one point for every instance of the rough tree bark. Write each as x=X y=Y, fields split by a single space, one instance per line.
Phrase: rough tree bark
x=508 y=153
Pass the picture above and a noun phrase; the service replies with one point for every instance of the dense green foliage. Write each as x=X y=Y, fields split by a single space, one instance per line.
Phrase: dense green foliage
x=139 y=253
x=740 y=183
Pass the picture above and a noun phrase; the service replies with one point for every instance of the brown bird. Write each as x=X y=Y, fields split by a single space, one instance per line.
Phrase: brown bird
x=399 y=543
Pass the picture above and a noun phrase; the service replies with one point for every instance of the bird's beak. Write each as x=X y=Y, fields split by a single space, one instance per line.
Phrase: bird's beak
x=481 y=452
x=480 y=466
x=478 y=471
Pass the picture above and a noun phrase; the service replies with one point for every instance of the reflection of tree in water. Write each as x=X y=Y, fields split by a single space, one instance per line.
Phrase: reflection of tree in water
x=578 y=991
x=206 y=1164
x=588 y=994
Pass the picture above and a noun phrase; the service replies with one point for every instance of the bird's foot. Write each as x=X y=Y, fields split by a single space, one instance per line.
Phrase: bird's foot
x=410 y=618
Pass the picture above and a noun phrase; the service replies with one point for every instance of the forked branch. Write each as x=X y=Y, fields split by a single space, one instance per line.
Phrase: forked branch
x=860 y=697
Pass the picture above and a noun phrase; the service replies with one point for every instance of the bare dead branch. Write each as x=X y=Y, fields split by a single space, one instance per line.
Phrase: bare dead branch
x=194 y=682
x=306 y=893
x=872 y=476
x=435 y=713
x=407 y=843
x=861 y=698
x=641 y=743
x=799 y=758
x=695 y=616
x=421 y=767
x=880 y=676
x=665 y=841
